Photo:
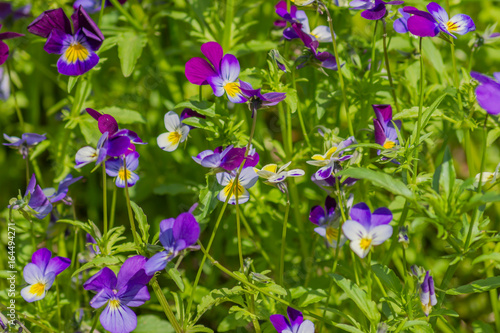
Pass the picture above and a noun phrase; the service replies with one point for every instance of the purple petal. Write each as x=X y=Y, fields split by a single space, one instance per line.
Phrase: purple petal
x=31 y=185
x=289 y=33
x=317 y=214
x=217 y=85
x=166 y=224
x=482 y=78
x=330 y=205
x=93 y=113
x=361 y=213
x=381 y=216
x=120 y=319
x=279 y=322
x=375 y=13
x=107 y=123
x=134 y=295
x=81 y=20
x=379 y=132
x=232 y=159
x=78 y=67
x=57 y=41
x=488 y=97
x=40 y=203
x=186 y=228
x=41 y=258
x=101 y=298
x=401 y=24
x=132 y=271
x=57 y=265
x=118 y=146
x=324 y=172
x=383 y=112
x=251 y=160
x=51 y=19
x=438 y=12
x=422 y=26
x=198 y=70
x=4 y=52
x=273 y=98
x=213 y=51
x=295 y=318
x=10 y=35
x=156 y=263
x=105 y=278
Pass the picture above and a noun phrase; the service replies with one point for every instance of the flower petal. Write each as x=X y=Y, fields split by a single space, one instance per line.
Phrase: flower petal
x=32 y=273
x=322 y=34
x=317 y=214
x=198 y=70
x=380 y=234
x=186 y=228
x=172 y=121
x=361 y=213
x=47 y=21
x=279 y=322
x=41 y=258
x=488 y=97
x=306 y=327
x=156 y=263
x=213 y=51
x=438 y=12
x=57 y=265
x=230 y=68
x=119 y=319
x=78 y=67
x=461 y=24
x=105 y=278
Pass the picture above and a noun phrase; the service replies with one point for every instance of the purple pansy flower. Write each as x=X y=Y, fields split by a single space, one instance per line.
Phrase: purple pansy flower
x=221 y=73
x=427 y=294
x=247 y=179
x=327 y=219
x=4 y=48
x=220 y=159
x=93 y=6
x=257 y=100
x=488 y=92
x=94 y=250
x=328 y=184
x=366 y=229
x=323 y=59
x=115 y=168
x=460 y=23
x=6 y=10
x=295 y=322
x=62 y=190
x=77 y=46
x=401 y=24
x=175 y=235
x=88 y=154
x=421 y=23
x=330 y=161
x=37 y=200
x=41 y=273
x=23 y=144
x=373 y=9
x=385 y=132
x=120 y=293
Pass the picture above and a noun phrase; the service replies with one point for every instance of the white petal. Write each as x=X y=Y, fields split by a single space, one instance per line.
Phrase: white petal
x=354 y=230
x=168 y=141
x=322 y=34
x=85 y=156
x=307 y=326
x=284 y=167
x=172 y=121
x=380 y=234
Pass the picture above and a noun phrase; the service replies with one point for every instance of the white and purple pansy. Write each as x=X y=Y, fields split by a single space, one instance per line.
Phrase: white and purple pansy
x=427 y=294
x=40 y=274
x=386 y=134
x=61 y=194
x=176 y=235
x=276 y=177
x=322 y=59
x=119 y=294
x=295 y=322
x=38 y=202
x=330 y=161
x=115 y=168
x=460 y=23
x=373 y=9
x=76 y=45
x=366 y=229
x=23 y=144
x=220 y=160
x=239 y=193
x=89 y=154
x=177 y=132
x=258 y=100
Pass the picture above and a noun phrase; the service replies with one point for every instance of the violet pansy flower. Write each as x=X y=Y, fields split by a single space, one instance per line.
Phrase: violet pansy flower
x=401 y=24
x=119 y=294
x=115 y=168
x=460 y=23
x=41 y=273
x=89 y=154
x=327 y=219
x=421 y=23
x=221 y=160
x=246 y=180
x=77 y=46
x=276 y=177
x=36 y=200
x=176 y=235
x=385 y=132
x=427 y=294
x=366 y=229
x=322 y=59
x=61 y=194
x=4 y=48
x=23 y=144
x=220 y=72
x=488 y=92
x=330 y=161
x=93 y=6
x=295 y=322
x=373 y=9
x=257 y=100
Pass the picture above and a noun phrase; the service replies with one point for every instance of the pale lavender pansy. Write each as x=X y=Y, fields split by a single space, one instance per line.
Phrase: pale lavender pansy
x=401 y=24
x=427 y=294
x=246 y=180
x=177 y=132
x=89 y=154
x=115 y=168
x=23 y=144
x=330 y=161
x=276 y=177
x=327 y=219
x=220 y=160
x=460 y=23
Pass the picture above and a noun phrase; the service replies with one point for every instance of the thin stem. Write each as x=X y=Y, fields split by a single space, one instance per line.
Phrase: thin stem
x=58 y=301
x=113 y=208
x=420 y=108
x=339 y=70
x=409 y=295
x=104 y=199
x=103 y=3
x=129 y=208
x=129 y=17
x=257 y=244
x=164 y=304
x=388 y=67
x=394 y=241
x=373 y=64
x=369 y=275
x=94 y=322
x=27 y=169
x=238 y=230
x=12 y=88
x=75 y=245
x=299 y=111
x=355 y=262
x=251 y=306
x=228 y=22
x=283 y=239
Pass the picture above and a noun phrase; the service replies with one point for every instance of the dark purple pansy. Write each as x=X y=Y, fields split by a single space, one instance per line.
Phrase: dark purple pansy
x=421 y=23
x=401 y=24
x=220 y=160
x=77 y=46
x=4 y=48
x=295 y=322
x=119 y=294
x=385 y=132
x=327 y=219
x=488 y=92
x=322 y=59
x=373 y=9
x=23 y=144
x=176 y=235
x=257 y=100
x=34 y=199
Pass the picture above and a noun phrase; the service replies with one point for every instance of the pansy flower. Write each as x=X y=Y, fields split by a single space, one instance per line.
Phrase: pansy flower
x=366 y=229
x=427 y=294
x=220 y=160
x=61 y=194
x=220 y=72
x=4 y=48
x=460 y=23
x=329 y=184
x=276 y=177
x=115 y=168
x=176 y=235
x=373 y=9
x=77 y=46
x=177 y=132
x=89 y=154
x=327 y=219
x=40 y=274
x=330 y=161
x=488 y=92
x=257 y=100
x=322 y=59
x=295 y=322
x=7 y=11
x=119 y=294
x=386 y=134
x=421 y=23
x=93 y=6
x=36 y=200
x=23 y=144
x=246 y=180
x=401 y=24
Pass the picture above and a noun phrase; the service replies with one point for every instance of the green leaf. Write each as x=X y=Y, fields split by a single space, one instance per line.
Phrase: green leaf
x=82 y=225
x=142 y=221
x=130 y=45
x=380 y=179
x=493 y=136
x=152 y=324
x=388 y=278
x=200 y=123
x=97 y=262
x=175 y=275
x=358 y=296
x=124 y=116
x=481 y=327
x=292 y=99
x=349 y=328
x=205 y=108
x=445 y=175
x=219 y=296
x=495 y=256
x=478 y=286
x=427 y=114
x=207 y=200
x=72 y=81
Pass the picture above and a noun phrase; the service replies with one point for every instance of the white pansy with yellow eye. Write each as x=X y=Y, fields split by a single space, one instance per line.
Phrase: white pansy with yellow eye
x=177 y=132
x=276 y=177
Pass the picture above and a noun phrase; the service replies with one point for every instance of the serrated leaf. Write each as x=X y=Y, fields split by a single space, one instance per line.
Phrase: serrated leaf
x=200 y=123
x=124 y=116
x=97 y=262
x=292 y=99
x=130 y=45
x=142 y=221
x=72 y=81
x=219 y=296
x=388 y=278
x=205 y=108
x=478 y=286
x=82 y=225
x=175 y=275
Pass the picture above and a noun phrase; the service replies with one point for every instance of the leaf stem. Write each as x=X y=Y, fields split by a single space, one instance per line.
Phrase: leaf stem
x=373 y=64
x=129 y=208
x=104 y=199
x=283 y=239
x=165 y=306
x=129 y=17
x=416 y=141
x=388 y=67
x=12 y=88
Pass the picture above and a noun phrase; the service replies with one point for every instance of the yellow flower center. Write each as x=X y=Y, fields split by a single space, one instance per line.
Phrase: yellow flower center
x=365 y=243
x=232 y=88
x=174 y=137
x=76 y=51
x=388 y=144
x=37 y=289
x=451 y=26
x=239 y=189
x=114 y=303
x=427 y=308
x=332 y=234
x=122 y=175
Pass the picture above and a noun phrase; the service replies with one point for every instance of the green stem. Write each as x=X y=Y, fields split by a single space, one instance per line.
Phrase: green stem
x=493 y=292
x=238 y=230
x=113 y=208
x=129 y=17
x=12 y=88
x=373 y=64
x=299 y=111
x=103 y=2
x=75 y=245
x=416 y=141
x=251 y=306
x=104 y=199
x=394 y=241
x=257 y=244
x=339 y=70
x=369 y=275
x=228 y=22
x=164 y=304
x=27 y=169
x=283 y=239
x=355 y=263
x=129 y=208
x=58 y=301
x=409 y=294
x=94 y=322
x=388 y=67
